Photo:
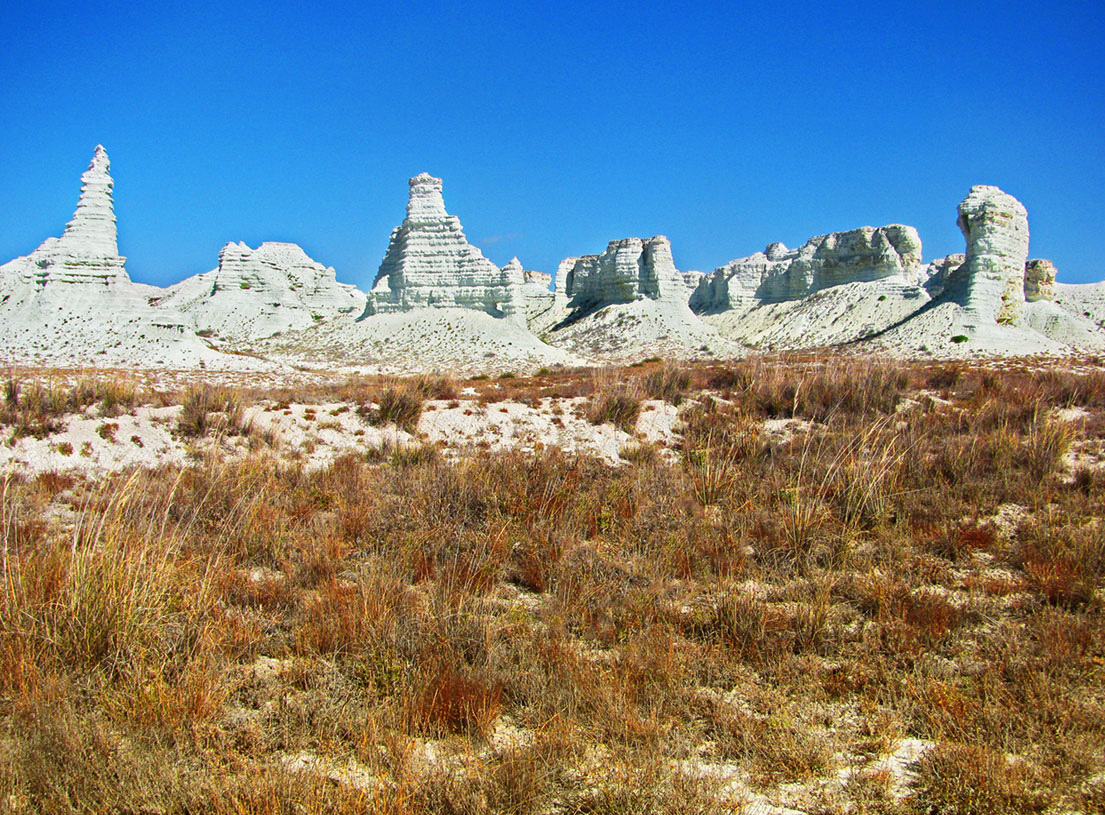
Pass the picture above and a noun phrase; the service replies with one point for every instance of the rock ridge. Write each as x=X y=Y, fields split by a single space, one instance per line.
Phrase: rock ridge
x=254 y=293
x=889 y=253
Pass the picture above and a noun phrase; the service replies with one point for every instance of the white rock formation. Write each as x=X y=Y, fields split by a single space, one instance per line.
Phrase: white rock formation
x=990 y=283
x=71 y=302
x=87 y=252
x=429 y=263
x=1039 y=280
x=624 y=304
x=255 y=293
x=692 y=278
x=889 y=253
x=535 y=281
x=935 y=275
x=991 y=301
x=627 y=270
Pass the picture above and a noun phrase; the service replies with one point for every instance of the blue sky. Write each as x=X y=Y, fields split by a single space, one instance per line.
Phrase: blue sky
x=557 y=127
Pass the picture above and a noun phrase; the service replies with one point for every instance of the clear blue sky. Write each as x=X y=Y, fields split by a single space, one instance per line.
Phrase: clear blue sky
x=557 y=127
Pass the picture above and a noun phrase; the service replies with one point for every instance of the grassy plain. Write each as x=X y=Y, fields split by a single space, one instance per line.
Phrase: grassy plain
x=891 y=603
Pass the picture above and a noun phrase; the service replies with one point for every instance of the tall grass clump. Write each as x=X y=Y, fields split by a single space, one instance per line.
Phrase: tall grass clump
x=209 y=408
x=614 y=401
x=669 y=383
x=117 y=596
x=397 y=405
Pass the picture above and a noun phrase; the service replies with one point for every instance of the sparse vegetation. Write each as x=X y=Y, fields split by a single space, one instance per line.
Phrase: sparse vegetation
x=397 y=405
x=36 y=408
x=208 y=408
x=837 y=555
x=668 y=383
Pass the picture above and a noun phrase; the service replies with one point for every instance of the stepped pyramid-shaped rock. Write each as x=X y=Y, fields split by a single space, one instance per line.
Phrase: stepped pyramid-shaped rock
x=256 y=293
x=627 y=270
x=429 y=263
x=88 y=251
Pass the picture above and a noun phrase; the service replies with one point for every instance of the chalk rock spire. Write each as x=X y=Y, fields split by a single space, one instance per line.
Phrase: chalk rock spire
x=92 y=230
x=426 y=203
x=429 y=263
x=87 y=253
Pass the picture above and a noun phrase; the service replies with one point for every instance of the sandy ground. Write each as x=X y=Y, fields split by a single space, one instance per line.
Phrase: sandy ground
x=431 y=339
x=315 y=435
x=631 y=331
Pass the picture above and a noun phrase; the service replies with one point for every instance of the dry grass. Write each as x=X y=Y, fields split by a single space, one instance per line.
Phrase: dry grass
x=614 y=400
x=398 y=405
x=528 y=633
x=207 y=408
x=35 y=408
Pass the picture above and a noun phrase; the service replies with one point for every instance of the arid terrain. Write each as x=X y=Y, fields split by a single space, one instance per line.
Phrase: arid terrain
x=787 y=584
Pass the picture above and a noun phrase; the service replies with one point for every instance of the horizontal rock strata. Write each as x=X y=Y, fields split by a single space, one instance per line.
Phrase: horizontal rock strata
x=627 y=270
x=429 y=263
x=255 y=293
x=777 y=274
x=88 y=251
x=990 y=283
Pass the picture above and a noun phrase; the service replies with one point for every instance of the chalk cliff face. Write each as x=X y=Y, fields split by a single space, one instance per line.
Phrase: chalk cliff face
x=429 y=263
x=255 y=293
x=990 y=283
x=627 y=270
x=777 y=274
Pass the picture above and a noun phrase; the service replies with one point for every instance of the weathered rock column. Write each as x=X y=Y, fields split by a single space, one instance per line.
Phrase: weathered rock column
x=92 y=231
x=991 y=281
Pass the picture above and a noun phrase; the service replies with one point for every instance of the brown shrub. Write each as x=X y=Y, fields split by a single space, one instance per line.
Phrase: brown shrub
x=963 y=778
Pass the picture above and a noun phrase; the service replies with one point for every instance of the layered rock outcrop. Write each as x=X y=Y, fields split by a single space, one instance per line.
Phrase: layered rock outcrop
x=627 y=270
x=991 y=282
x=71 y=302
x=1039 y=280
x=777 y=274
x=255 y=293
x=936 y=274
x=429 y=263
